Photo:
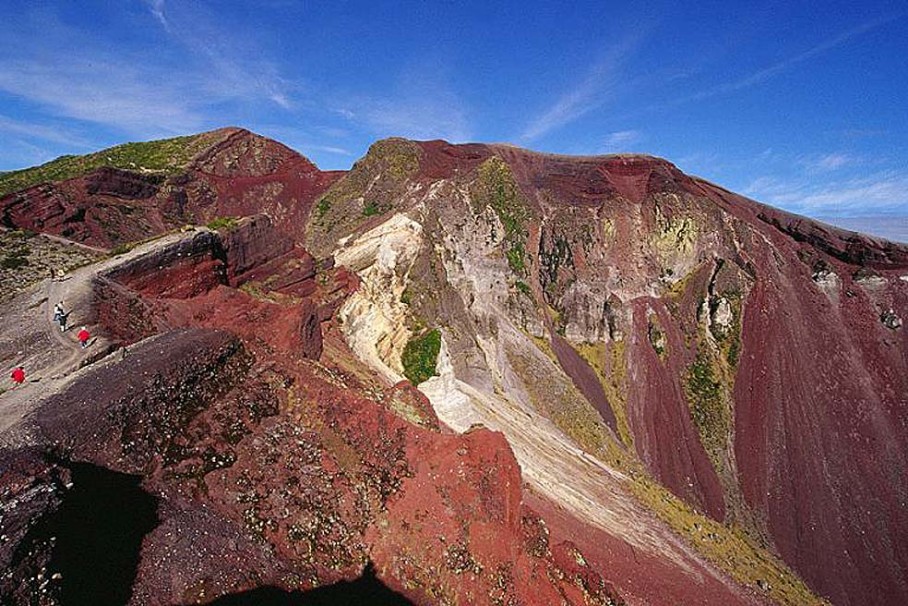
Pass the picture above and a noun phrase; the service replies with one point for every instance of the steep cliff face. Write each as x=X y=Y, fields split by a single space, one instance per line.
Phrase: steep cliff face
x=638 y=314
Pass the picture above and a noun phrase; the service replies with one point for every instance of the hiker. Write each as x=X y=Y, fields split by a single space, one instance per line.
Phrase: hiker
x=18 y=375
x=60 y=316
x=83 y=337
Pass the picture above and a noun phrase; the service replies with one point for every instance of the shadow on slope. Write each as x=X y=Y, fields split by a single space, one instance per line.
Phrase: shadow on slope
x=367 y=589
x=98 y=533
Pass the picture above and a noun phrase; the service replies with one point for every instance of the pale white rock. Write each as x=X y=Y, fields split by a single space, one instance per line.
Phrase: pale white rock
x=374 y=318
x=721 y=315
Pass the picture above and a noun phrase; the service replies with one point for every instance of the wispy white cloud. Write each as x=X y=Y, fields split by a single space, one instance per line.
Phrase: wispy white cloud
x=156 y=7
x=770 y=71
x=43 y=132
x=588 y=94
x=71 y=75
x=339 y=151
x=879 y=193
x=619 y=140
x=893 y=228
x=828 y=162
x=110 y=92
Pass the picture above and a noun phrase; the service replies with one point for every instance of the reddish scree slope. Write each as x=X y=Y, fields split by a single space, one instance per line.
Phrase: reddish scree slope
x=818 y=460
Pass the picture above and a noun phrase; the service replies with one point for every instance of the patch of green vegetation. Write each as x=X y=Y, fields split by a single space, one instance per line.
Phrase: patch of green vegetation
x=728 y=547
x=165 y=156
x=674 y=237
x=734 y=351
x=707 y=404
x=322 y=208
x=380 y=177
x=524 y=288
x=558 y=400
x=14 y=259
x=371 y=209
x=22 y=234
x=730 y=340
x=497 y=188
x=226 y=223
x=613 y=378
x=122 y=249
x=551 y=260
x=657 y=338
x=420 y=356
x=515 y=258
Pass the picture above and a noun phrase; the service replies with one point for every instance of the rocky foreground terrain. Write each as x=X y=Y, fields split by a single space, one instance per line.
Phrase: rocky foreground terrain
x=455 y=374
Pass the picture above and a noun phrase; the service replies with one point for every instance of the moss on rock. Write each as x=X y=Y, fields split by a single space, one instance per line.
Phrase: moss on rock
x=420 y=356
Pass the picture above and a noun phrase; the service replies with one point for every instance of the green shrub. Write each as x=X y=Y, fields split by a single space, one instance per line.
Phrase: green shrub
x=323 y=206
x=122 y=249
x=219 y=223
x=420 y=356
x=515 y=258
x=371 y=209
x=707 y=408
x=13 y=261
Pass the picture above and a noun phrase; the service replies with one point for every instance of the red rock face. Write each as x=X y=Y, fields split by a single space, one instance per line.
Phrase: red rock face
x=816 y=455
x=240 y=174
x=245 y=175
x=268 y=470
x=821 y=430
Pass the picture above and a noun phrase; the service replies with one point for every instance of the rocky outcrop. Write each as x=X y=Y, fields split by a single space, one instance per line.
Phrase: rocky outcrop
x=240 y=462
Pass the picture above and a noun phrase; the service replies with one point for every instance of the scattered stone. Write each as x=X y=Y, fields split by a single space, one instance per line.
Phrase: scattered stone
x=657 y=338
x=720 y=315
x=890 y=319
x=868 y=278
x=824 y=276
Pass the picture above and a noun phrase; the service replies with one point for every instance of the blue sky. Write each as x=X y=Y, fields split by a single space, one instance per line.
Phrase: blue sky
x=802 y=105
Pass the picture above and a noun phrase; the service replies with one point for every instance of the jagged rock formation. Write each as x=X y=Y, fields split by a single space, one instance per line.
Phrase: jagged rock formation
x=614 y=319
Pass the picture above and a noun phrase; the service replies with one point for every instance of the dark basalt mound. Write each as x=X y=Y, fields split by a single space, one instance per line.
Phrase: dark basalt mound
x=367 y=589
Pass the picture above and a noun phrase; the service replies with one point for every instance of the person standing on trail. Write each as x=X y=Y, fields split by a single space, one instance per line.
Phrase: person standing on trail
x=60 y=316
x=83 y=337
x=18 y=375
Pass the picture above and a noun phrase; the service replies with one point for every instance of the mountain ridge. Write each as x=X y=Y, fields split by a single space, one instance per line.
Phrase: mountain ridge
x=660 y=308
